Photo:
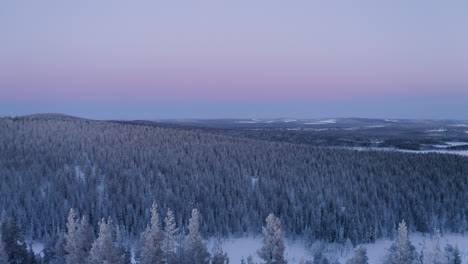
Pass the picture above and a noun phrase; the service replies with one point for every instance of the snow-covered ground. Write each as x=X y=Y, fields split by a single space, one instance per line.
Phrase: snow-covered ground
x=238 y=248
x=436 y=130
x=440 y=151
x=451 y=144
x=322 y=122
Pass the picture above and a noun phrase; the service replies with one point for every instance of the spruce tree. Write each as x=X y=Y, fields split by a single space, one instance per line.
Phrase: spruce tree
x=195 y=249
x=452 y=255
x=219 y=257
x=103 y=250
x=123 y=254
x=78 y=239
x=3 y=253
x=402 y=251
x=272 y=251
x=152 y=240
x=359 y=257
x=14 y=243
x=169 y=245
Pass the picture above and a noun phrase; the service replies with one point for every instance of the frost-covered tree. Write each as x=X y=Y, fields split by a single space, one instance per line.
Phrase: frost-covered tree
x=3 y=253
x=103 y=250
x=124 y=255
x=14 y=243
x=304 y=261
x=402 y=251
x=219 y=256
x=152 y=240
x=194 y=248
x=320 y=258
x=170 y=238
x=272 y=250
x=359 y=257
x=250 y=260
x=54 y=251
x=78 y=239
x=452 y=255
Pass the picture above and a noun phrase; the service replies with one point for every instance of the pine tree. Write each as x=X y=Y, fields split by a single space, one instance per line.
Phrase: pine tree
x=3 y=253
x=272 y=251
x=78 y=239
x=320 y=258
x=14 y=244
x=359 y=257
x=169 y=245
x=123 y=254
x=219 y=257
x=55 y=253
x=195 y=249
x=103 y=250
x=452 y=255
x=152 y=240
x=250 y=260
x=402 y=251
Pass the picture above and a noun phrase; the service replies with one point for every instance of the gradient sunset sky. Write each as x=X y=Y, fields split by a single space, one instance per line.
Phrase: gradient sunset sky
x=110 y=59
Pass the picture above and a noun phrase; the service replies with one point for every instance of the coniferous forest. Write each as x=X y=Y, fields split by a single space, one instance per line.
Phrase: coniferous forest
x=111 y=173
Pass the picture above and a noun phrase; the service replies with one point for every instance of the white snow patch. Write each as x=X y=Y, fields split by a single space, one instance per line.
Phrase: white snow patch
x=317 y=129
x=247 y=122
x=37 y=247
x=460 y=125
x=439 y=151
x=391 y=120
x=436 y=130
x=253 y=181
x=238 y=248
x=79 y=173
x=451 y=144
x=322 y=122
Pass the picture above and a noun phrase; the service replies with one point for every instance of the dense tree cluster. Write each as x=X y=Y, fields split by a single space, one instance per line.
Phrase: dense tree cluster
x=116 y=170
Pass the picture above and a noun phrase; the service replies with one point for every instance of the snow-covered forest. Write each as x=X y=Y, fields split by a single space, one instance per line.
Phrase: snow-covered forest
x=116 y=170
x=165 y=243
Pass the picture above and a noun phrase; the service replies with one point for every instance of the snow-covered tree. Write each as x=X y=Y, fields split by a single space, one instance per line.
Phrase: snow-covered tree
x=103 y=250
x=170 y=237
x=452 y=255
x=3 y=253
x=194 y=248
x=78 y=239
x=219 y=256
x=320 y=258
x=359 y=257
x=123 y=254
x=152 y=240
x=402 y=251
x=14 y=243
x=272 y=250
x=250 y=260
x=54 y=251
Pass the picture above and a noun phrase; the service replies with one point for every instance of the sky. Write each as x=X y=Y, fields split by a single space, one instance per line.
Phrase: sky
x=115 y=59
